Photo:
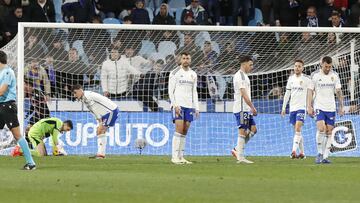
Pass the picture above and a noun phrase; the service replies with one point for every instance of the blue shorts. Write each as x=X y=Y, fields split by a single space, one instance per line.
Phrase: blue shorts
x=327 y=116
x=298 y=115
x=186 y=114
x=244 y=120
x=109 y=119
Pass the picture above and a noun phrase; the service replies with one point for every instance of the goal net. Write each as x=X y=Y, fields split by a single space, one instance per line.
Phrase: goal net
x=131 y=64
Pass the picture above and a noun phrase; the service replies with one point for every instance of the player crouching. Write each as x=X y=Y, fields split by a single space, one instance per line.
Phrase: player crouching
x=42 y=129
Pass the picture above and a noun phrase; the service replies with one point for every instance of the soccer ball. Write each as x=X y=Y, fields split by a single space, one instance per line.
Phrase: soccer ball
x=140 y=143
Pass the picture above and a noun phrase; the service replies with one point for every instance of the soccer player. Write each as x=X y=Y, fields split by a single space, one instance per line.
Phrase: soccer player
x=105 y=111
x=324 y=83
x=184 y=104
x=296 y=92
x=243 y=109
x=8 y=109
x=45 y=128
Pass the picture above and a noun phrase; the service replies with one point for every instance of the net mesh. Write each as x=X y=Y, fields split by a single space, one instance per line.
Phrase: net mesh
x=132 y=68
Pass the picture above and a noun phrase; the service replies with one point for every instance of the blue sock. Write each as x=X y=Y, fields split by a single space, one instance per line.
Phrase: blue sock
x=26 y=151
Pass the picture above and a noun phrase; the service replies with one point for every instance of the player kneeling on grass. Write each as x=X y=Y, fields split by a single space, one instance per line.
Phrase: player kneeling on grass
x=296 y=92
x=44 y=128
x=105 y=111
x=243 y=109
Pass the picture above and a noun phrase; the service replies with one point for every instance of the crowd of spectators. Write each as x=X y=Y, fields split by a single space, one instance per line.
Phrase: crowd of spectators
x=141 y=67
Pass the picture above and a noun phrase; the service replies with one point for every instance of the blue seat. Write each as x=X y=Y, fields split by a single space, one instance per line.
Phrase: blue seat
x=112 y=32
x=258 y=18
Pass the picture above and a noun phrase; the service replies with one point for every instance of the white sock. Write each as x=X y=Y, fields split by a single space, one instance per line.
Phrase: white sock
x=182 y=146
x=102 y=140
x=176 y=145
x=296 y=141
x=324 y=144
x=248 y=138
x=319 y=141
x=301 y=145
x=240 y=147
x=327 y=147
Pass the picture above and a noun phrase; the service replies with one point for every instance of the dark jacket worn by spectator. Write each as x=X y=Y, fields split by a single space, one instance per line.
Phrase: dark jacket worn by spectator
x=5 y=9
x=140 y=16
x=325 y=13
x=353 y=19
x=11 y=24
x=41 y=11
x=199 y=13
x=80 y=11
x=287 y=12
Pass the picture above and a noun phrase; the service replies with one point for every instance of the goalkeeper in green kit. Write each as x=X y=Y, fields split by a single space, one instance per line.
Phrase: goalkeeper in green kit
x=47 y=127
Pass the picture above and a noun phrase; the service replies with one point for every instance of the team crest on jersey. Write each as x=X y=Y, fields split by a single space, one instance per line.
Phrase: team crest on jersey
x=332 y=79
x=301 y=82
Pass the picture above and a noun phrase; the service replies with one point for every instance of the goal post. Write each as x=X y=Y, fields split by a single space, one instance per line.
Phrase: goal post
x=141 y=94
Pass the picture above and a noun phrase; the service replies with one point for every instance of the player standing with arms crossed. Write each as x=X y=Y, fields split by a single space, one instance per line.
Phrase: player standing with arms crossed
x=324 y=83
x=296 y=92
x=243 y=109
x=8 y=109
x=184 y=104
x=105 y=111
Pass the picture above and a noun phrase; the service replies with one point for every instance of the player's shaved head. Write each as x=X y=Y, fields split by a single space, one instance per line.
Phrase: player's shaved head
x=3 y=57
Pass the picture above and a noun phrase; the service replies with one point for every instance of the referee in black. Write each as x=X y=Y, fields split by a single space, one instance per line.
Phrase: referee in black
x=8 y=109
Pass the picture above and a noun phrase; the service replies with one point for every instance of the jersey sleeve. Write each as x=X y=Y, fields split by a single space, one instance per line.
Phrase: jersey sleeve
x=171 y=89
x=337 y=82
x=96 y=98
x=312 y=82
x=288 y=84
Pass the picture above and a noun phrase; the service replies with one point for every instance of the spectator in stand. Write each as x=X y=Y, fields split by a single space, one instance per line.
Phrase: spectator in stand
x=138 y=62
x=354 y=18
x=140 y=15
x=228 y=59
x=38 y=74
x=311 y=18
x=11 y=24
x=33 y=49
x=57 y=50
x=108 y=8
x=72 y=72
x=331 y=38
x=114 y=75
x=78 y=11
x=325 y=13
x=336 y=20
x=191 y=48
x=6 y=7
x=209 y=55
x=198 y=12
x=189 y=19
x=41 y=11
x=286 y=12
x=225 y=7
x=50 y=70
x=147 y=87
x=163 y=17
x=127 y=20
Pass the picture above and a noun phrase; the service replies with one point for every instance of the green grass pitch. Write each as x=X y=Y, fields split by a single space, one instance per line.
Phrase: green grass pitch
x=154 y=179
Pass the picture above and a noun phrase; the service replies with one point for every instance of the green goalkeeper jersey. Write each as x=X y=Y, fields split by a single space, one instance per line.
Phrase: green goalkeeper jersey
x=46 y=127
